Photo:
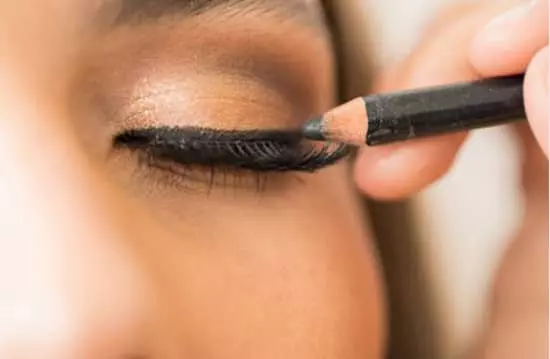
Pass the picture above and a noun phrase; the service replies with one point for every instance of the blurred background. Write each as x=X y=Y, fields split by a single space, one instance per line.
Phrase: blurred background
x=441 y=248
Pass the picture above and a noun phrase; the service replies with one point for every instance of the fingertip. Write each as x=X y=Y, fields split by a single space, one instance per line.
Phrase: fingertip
x=536 y=97
x=397 y=171
x=482 y=55
x=498 y=51
x=508 y=42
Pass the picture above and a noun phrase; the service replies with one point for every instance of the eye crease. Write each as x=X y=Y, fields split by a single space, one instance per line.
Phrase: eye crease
x=259 y=150
x=168 y=88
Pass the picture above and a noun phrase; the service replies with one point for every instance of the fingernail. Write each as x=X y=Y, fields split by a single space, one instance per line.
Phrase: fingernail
x=513 y=14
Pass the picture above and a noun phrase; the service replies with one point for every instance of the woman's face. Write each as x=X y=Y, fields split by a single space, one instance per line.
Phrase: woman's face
x=107 y=252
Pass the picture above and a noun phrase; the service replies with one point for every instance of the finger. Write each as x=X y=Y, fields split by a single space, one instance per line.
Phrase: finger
x=509 y=42
x=536 y=97
x=399 y=170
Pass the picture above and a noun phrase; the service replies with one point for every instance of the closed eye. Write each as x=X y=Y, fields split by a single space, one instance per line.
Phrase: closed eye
x=258 y=151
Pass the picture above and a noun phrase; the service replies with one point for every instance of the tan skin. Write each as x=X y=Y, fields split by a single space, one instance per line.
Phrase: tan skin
x=102 y=258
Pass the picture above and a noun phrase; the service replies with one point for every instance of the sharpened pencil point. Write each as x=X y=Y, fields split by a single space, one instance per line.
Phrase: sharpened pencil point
x=313 y=130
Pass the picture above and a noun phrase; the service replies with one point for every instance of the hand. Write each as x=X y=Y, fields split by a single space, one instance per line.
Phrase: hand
x=513 y=42
x=461 y=46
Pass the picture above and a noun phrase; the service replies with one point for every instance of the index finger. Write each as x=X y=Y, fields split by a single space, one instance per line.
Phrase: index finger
x=509 y=42
x=399 y=170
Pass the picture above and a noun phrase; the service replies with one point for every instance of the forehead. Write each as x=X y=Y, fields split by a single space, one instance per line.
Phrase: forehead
x=307 y=11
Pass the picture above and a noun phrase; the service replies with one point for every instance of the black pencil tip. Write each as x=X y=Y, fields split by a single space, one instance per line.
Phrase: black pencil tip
x=313 y=130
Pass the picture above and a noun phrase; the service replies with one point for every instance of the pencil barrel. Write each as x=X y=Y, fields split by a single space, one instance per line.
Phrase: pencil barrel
x=445 y=109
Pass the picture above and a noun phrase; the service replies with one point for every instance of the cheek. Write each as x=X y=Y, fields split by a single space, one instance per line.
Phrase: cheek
x=281 y=277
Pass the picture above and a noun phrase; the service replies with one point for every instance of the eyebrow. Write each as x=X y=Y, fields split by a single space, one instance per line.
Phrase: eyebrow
x=139 y=11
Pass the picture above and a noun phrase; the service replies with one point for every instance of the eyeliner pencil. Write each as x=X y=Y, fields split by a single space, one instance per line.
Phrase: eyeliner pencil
x=385 y=118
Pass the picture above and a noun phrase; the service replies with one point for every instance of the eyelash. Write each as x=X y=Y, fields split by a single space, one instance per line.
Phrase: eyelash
x=254 y=151
x=259 y=151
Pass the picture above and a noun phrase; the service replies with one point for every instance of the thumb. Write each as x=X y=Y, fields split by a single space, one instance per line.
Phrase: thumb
x=536 y=97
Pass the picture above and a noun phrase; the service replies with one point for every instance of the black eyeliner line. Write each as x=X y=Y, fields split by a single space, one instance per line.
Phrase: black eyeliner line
x=206 y=135
x=255 y=150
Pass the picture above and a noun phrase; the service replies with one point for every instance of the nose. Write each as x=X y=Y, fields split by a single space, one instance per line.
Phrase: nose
x=71 y=285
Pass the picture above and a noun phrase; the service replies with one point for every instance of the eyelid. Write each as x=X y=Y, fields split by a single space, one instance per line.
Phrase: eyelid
x=219 y=100
x=160 y=70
